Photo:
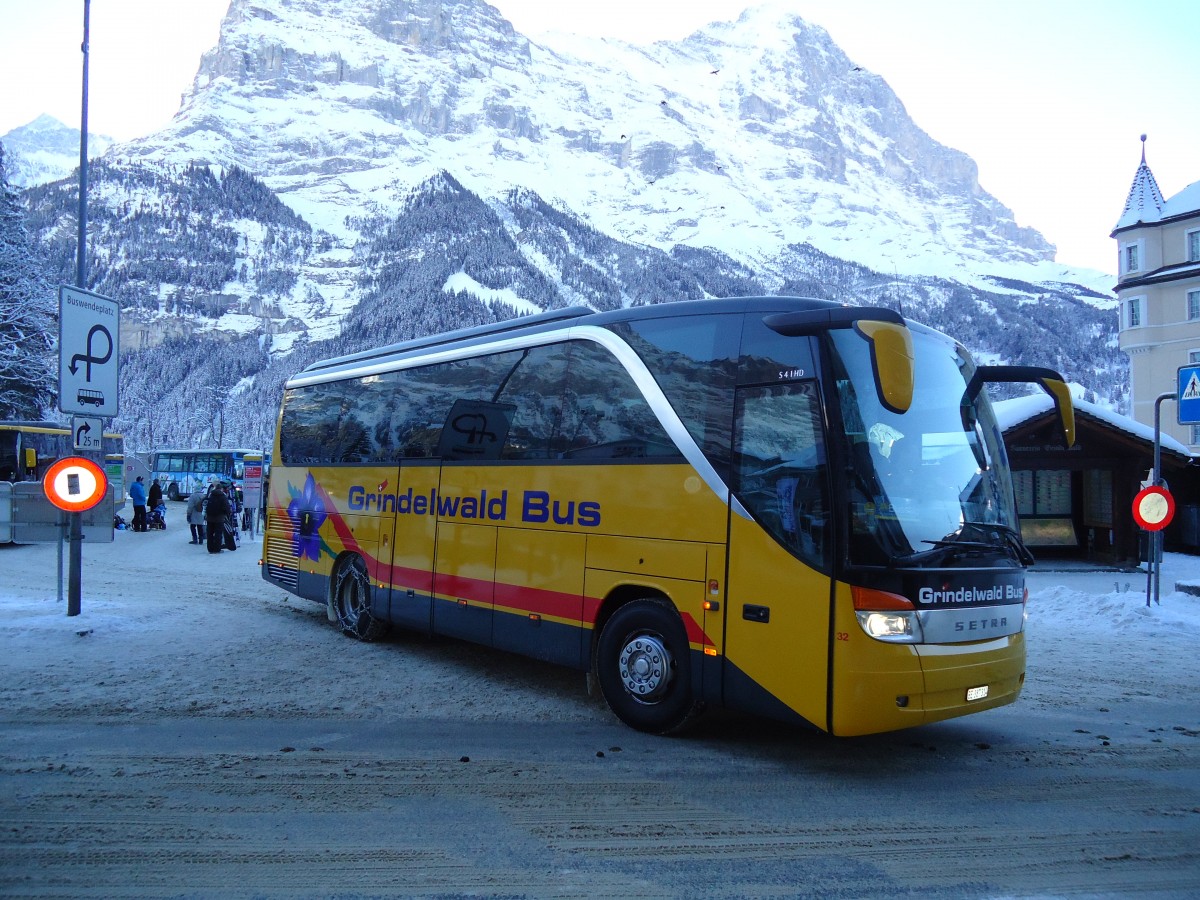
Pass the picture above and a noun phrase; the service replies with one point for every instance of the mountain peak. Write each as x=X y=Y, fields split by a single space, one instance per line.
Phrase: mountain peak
x=747 y=136
x=46 y=150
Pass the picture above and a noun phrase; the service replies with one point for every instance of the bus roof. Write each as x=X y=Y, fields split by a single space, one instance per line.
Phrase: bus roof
x=44 y=427
x=206 y=450
x=560 y=319
x=521 y=325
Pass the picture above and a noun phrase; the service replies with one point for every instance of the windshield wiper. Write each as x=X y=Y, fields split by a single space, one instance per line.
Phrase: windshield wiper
x=1009 y=536
x=942 y=549
x=1007 y=540
x=969 y=545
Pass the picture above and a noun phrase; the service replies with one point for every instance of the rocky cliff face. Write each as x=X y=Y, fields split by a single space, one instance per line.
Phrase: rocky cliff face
x=762 y=127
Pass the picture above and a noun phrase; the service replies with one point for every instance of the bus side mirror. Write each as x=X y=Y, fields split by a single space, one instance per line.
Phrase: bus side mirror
x=892 y=362
x=1049 y=380
x=1061 y=394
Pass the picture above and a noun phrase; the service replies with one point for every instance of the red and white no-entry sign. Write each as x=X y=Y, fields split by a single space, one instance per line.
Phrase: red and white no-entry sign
x=1153 y=508
x=75 y=484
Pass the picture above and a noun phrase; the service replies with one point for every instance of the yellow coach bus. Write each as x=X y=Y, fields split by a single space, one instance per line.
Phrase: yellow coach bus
x=774 y=504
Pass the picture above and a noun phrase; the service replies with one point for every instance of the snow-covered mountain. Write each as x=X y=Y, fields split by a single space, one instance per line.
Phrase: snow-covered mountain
x=368 y=169
x=46 y=150
x=747 y=136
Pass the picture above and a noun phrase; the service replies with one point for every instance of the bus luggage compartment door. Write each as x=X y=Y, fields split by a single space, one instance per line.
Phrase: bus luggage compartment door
x=413 y=547
x=464 y=580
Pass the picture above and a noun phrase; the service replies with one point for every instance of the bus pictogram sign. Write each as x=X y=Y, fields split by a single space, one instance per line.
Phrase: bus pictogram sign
x=75 y=484
x=1153 y=508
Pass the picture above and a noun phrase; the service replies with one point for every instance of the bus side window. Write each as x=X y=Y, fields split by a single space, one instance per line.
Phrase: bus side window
x=310 y=421
x=604 y=415
x=694 y=359
x=534 y=386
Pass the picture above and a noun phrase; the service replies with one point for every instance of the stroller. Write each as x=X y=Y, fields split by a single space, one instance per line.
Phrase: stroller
x=157 y=518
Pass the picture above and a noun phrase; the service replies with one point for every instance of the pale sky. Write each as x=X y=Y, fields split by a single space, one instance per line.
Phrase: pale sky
x=1049 y=97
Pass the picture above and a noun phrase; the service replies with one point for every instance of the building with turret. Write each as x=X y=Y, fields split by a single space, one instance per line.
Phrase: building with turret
x=1158 y=242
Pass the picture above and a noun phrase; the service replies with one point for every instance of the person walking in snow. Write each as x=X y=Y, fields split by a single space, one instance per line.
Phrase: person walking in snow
x=195 y=515
x=217 y=520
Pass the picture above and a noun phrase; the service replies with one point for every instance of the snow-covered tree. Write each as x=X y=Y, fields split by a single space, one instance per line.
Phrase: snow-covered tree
x=28 y=330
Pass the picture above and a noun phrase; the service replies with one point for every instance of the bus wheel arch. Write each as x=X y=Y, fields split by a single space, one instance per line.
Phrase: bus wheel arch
x=641 y=663
x=172 y=491
x=350 y=599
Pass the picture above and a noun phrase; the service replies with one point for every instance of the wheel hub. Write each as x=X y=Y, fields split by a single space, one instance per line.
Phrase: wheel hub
x=645 y=668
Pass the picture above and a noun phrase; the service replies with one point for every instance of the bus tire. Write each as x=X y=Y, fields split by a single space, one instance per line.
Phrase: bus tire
x=642 y=664
x=352 y=601
x=172 y=491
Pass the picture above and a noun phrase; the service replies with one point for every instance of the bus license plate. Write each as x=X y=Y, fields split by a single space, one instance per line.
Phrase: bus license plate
x=977 y=693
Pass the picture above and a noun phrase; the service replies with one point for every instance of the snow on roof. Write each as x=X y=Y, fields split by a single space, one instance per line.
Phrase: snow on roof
x=1186 y=201
x=1011 y=413
x=1145 y=200
x=1145 y=203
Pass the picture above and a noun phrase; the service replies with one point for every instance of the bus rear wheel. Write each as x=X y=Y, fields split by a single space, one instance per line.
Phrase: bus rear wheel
x=643 y=669
x=352 y=601
x=172 y=492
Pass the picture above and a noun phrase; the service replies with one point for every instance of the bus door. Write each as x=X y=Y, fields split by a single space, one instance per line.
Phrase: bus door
x=780 y=551
x=413 y=544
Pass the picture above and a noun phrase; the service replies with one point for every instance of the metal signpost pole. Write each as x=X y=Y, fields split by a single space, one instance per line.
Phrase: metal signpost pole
x=1156 y=537
x=63 y=534
x=75 y=561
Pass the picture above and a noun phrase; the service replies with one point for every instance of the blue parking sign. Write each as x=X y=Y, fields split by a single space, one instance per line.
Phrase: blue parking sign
x=1189 y=395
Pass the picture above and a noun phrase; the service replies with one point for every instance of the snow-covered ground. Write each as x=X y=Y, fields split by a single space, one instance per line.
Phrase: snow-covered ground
x=150 y=603
x=196 y=732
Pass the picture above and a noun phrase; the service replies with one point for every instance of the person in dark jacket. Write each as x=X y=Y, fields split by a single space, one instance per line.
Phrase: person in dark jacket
x=217 y=516
x=137 y=494
x=154 y=498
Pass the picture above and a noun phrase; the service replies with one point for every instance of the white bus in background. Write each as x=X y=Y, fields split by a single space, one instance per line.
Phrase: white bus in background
x=179 y=472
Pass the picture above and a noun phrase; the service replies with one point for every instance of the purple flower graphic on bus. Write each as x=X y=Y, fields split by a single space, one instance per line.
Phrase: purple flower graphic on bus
x=307 y=513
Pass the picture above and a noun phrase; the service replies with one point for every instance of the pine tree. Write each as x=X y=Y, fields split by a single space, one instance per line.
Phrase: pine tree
x=28 y=372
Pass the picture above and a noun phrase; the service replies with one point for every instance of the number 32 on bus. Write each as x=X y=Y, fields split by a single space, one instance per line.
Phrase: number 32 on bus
x=773 y=504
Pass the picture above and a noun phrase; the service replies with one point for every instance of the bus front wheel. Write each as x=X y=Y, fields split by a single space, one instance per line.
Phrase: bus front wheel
x=352 y=601
x=643 y=668
x=172 y=492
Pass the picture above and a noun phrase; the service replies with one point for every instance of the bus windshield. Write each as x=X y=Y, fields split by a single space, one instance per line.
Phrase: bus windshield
x=932 y=484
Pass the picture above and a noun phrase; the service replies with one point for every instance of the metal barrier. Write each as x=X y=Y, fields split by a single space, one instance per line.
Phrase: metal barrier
x=6 y=516
x=35 y=520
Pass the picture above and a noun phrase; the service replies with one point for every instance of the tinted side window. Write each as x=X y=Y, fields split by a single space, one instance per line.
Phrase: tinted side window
x=604 y=414
x=310 y=423
x=534 y=387
x=694 y=361
x=768 y=357
x=479 y=411
x=572 y=401
x=505 y=405
x=361 y=434
x=422 y=403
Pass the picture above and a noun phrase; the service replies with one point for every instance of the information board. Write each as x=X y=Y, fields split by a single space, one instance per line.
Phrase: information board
x=89 y=328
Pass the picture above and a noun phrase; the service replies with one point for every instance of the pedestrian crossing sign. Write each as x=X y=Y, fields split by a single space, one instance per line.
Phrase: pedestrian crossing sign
x=1189 y=395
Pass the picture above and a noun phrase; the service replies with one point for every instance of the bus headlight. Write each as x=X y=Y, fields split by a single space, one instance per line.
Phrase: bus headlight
x=886 y=616
x=891 y=625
